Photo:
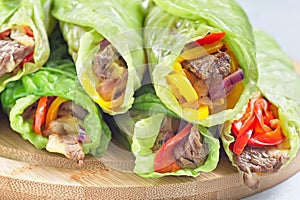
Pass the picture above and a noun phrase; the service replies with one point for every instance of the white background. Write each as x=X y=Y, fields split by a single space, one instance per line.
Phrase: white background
x=281 y=19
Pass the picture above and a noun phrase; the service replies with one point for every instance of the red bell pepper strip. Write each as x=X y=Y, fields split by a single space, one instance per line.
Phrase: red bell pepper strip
x=235 y=128
x=241 y=142
x=271 y=138
x=40 y=115
x=4 y=34
x=165 y=160
x=262 y=113
x=28 y=31
x=28 y=58
x=211 y=38
x=256 y=127
x=244 y=134
x=247 y=125
x=104 y=43
x=249 y=110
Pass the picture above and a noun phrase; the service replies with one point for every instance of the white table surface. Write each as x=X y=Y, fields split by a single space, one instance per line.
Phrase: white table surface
x=281 y=19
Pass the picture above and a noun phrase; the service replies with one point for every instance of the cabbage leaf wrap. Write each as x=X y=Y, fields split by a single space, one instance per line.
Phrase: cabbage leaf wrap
x=57 y=78
x=141 y=126
x=26 y=13
x=170 y=25
x=278 y=83
x=84 y=28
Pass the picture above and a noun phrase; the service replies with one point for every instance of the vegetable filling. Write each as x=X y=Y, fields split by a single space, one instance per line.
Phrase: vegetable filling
x=16 y=48
x=204 y=75
x=111 y=71
x=260 y=146
x=178 y=149
x=61 y=121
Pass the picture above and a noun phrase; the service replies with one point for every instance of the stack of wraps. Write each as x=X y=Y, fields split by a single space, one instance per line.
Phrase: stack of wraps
x=24 y=46
x=105 y=41
x=202 y=58
x=51 y=110
x=264 y=136
x=203 y=70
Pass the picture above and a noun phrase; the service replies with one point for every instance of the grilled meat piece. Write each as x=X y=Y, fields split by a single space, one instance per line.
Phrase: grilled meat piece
x=190 y=152
x=112 y=88
x=108 y=64
x=67 y=145
x=251 y=180
x=65 y=137
x=12 y=54
x=66 y=125
x=215 y=66
x=261 y=159
x=70 y=108
x=30 y=111
x=110 y=69
x=168 y=129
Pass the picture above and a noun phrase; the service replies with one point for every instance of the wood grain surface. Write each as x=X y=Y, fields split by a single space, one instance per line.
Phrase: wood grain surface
x=30 y=173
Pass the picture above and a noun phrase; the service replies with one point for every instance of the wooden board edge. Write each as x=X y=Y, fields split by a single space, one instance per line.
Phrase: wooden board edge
x=229 y=187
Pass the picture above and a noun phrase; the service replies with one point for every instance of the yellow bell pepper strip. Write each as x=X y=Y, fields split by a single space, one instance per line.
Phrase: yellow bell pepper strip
x=200 y=51
x=165 y=160
x=234 y=95
x=88 y=85
x=184 y=86
x=211 y=38
x=193 y=114
x=40 y=115
x=53 y=109
x=209 y=44
x=178 y=68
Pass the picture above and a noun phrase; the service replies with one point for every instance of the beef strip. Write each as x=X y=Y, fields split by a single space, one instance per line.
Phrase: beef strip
x=65 y=125
x=12 y=54
x=190 y=152
x=74 y=149
x=215 y=66
x=261 y=159
x=105 y=61
x=67 y=145
x=110 y=69
x=70 y=108
x=65 y=137
x=112 y=88
x=251 y=180
x=30 y=111
x=169 y=128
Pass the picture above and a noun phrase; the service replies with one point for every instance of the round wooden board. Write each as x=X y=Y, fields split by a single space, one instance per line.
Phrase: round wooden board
x=30 y=173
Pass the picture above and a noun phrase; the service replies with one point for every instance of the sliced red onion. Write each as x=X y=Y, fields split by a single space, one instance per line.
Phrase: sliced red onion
x=81 y=134
x=226 y=85
x=104 y=43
